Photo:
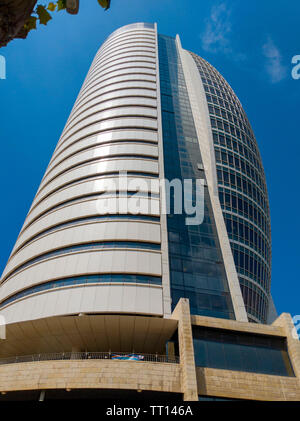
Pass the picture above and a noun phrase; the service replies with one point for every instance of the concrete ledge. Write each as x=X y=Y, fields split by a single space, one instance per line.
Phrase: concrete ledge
x=99 y=374
x=274 y=329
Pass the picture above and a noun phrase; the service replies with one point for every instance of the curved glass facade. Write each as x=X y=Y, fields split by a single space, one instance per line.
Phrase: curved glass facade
x=242 y=190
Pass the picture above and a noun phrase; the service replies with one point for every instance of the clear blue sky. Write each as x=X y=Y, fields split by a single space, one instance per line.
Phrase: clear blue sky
x=250 y=42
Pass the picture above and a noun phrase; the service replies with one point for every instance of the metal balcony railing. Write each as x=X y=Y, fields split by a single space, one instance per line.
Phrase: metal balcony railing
x=114 y=356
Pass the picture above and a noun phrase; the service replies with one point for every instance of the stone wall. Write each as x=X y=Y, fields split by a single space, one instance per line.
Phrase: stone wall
x=240 y=385
x=98 y=374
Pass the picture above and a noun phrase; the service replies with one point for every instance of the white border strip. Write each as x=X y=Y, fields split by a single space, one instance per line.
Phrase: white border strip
x=204 y=133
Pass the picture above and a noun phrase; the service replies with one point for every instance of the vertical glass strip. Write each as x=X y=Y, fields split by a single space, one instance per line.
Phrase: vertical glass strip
x=196 y=265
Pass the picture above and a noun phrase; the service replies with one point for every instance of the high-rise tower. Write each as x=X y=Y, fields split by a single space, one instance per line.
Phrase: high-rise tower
x=100 y=265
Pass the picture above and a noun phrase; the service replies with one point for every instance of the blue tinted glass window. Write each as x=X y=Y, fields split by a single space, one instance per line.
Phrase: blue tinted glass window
x=80 y=280
x=241 y=352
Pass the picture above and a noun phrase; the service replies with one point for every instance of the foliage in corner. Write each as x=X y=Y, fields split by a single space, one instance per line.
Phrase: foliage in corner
x=41 y=12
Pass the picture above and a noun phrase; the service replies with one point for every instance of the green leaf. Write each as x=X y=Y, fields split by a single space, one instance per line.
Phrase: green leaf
x=61 y=4
x=30 y=23
x=51 y=7
x=104 y=3
x=43 y=15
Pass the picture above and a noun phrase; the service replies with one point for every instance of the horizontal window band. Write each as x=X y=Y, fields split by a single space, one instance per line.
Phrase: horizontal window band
x=115 y=39
x=136 y=40
x=97 y=218
x=110 y=53
x=126 y=54
x=116 y=194
x=105 y=143
x=85 y=247
x=114 y=86
x=115 y=69
x=140 y=70
x=132 y=29
x=135 y=60
x=57 y=153
x=115 y=64
x=110 y=119
x=75 y=121
x=94 y=160
x=149 y=70
x=76 y=126
x=101 y=78
x=133 y=66
x=107 y=130
x=142 y=56
x=143 y=45
x=144 y=31
x=98 y=87
x=107 y=69
x=94 y=176
x=120 y=40
x=110 y=82
x=110 y=97
x=102 y=85
x=84 y=280
x=80 y=101
x=116 y=42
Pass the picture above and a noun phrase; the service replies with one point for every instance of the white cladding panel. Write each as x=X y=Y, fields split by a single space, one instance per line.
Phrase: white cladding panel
x=88 y=299
x=112 y=128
